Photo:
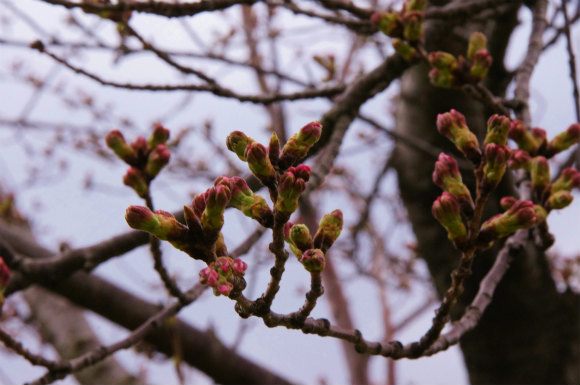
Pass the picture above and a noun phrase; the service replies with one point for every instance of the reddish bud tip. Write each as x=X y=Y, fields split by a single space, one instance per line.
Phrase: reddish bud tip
x=313 y=260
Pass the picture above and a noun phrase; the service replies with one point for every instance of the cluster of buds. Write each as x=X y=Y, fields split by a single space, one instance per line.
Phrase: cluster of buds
x=264 y=161
x=447 y=211
x=559 y=192
x=532 y=141
x=146 y=157
x=291 y=185
x=221 y=274
x=452 y=125
x=311 y=251
x=405 y=26
x=448 y=71
x=4 y=277
x=496 y=153
x=446 y=175
x=519 y=215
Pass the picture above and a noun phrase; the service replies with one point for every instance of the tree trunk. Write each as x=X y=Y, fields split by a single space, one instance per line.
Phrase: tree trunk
x=529 y=334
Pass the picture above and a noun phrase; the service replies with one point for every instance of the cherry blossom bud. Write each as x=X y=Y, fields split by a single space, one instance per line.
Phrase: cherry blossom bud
x=569 y=178
x=313 y=260
x=447 y=176
x=212 y=218
x=496 y=158
x=290 y=188
x=540 y=173
x=404 y=50
x=520 y=215
x=259 y=163
x=274 y=149
x=224 y=288
x=441 y=78
x=480 y=64
x=452 y=125
x=299 y=144
x=443 y=61
x=223 y=266
x=446 y=210
x=141 y=218
x=198 y=204
x=564 y=140
x=158 y=158
x=389 y=23
x=159 y=136
x=252 y=205
x=413 y=26
x=300 y=237
x=523 y=137
x=208 y=276
x=135 y=179
x=507 y=202
x=539 y=135
x=477 y=42
x=559 y=200
x=237 y=142
x=497 y=130
x=520 y=159
x=239 y=267
x=139 y=145
x=116 y=142
x=329 y=229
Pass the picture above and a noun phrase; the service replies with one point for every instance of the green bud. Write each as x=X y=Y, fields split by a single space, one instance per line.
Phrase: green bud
x=569 y=179
x=481 y=64
x=404 y=50
x=521 y=215
x=497 y=130
x=158 y=158
x=313 y=260
x=135 y=179
x=452 y=125
x=564 y=140
x=159 y=136
x=540 y=173
x=446 y=210
x=559 y=200
x=496 y=158
x=116 y=142
x=413 y=26
x=329 y=229
x=237 y=142
x=300 y=237
x=446 y=175
x=299 y=144
x=259 y=163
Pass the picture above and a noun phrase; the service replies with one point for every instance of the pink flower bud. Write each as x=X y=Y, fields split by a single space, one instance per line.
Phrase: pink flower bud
x=497 y=130
x=274 y=149
x=540 y=214
x=4 y=274
x=135 y=179
x=520 y=159
x=299 y=144
x=521 y=215
x=404 y=50
x=139 y=145
x=540 y=173
x=252 y=205
x=313 y=260
x=212 y=218
x=569 y=179
x=329 y=229
x=290 y=188
x=564 y=140
x=159 y=136
x=224 y=288
x=477 y=42
x=559 y=200
x=443 y=61
x=259 y=163
x=507 y=202
x=198 y=204
x=523 y=137
x=116 y=142
x=158 y=158
x=480 y=64
x=223 y=265
x=141 y=218
x=239 y=267
x=496 y=158
x=237 y=142
x=446 y=210
x=452 y=125
x=208 y=276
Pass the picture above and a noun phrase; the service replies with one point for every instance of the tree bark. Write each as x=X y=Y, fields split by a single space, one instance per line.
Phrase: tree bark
x=529 y=334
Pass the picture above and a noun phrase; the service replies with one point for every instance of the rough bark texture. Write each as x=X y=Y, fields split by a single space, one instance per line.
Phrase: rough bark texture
x=529 y=334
